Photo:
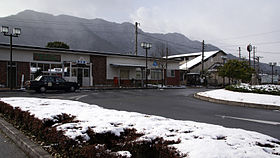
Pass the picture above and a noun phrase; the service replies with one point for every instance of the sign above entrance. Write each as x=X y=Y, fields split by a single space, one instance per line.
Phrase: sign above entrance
x=81 y=61
x=46 y=57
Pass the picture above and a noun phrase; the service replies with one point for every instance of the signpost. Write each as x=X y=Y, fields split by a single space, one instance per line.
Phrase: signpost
x=249 y=49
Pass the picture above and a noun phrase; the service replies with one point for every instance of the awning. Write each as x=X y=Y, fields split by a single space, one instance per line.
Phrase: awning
x=128 y=65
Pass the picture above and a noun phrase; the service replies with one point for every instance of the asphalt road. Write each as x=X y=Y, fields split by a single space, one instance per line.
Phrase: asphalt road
x=8 y=149
x=177 y=104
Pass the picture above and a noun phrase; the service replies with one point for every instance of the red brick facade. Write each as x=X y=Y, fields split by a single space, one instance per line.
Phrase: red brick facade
x=3 y=73
x=23 y=68
x=99 y=69
x=175 y=81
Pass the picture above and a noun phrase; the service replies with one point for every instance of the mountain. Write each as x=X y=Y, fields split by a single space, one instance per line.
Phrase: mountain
x=93 y=34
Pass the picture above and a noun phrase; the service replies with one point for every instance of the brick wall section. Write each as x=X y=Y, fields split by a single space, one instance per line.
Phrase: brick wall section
x=99 y=69
x=23 y=68
x=3 y=73
x=175 y=81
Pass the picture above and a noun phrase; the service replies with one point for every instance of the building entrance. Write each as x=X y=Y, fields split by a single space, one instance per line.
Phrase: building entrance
x=80 y=76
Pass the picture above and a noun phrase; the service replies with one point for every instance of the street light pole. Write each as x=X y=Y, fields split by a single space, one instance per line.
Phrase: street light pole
x=15 y=33
x=11 y=62
x=146 y=67
x=272 y=65
x=146 y=46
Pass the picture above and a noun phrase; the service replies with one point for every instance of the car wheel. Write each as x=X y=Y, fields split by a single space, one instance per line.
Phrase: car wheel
x=42 y=89
x=72 y=89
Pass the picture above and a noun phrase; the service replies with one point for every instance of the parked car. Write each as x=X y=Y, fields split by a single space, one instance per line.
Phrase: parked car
x=44 y=83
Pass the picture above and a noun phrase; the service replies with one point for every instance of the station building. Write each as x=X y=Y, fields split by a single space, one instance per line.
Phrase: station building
x=88 y=68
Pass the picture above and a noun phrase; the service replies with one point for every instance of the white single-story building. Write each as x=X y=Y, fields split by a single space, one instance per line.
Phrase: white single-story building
x=89 y=68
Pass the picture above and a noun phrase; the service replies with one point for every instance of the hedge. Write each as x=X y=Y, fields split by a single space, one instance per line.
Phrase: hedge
x=103 y=145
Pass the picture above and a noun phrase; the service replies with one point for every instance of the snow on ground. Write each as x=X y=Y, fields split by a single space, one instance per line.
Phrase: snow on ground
x=197 y=139
x=268 y=87
x=255 y=98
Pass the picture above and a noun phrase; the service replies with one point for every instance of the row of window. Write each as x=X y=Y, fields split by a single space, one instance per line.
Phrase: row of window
x=57 y=68
x=124 y=73
x=155 y=74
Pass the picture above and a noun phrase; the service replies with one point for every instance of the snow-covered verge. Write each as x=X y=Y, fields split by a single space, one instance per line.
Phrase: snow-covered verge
x=195 y=139
x=254 y=98
x=262 y=89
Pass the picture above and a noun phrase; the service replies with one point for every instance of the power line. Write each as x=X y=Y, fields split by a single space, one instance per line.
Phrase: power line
x=267 y=52
x=167 y=41
x=244 y=36
x=267 y=43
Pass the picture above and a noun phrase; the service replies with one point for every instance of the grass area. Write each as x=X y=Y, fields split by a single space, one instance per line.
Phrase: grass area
x=260 y=89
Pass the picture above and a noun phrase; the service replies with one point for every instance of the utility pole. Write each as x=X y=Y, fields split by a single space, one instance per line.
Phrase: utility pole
x=272 y=64
x=254 y=54
x=136 y=37
x=239 y=50
x=202 y=61
x=258 y=60
x=166 y=59
x=258 y=71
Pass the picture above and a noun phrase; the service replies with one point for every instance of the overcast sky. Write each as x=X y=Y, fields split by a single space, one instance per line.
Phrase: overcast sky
x=227 y=24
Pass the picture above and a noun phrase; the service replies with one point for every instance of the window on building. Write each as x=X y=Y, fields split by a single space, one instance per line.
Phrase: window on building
x=56 y=66
x=46 y=67
x=86 y=72
x=74 y=72
x=138 y=75
x=66 y=69
x=170 y=73
x=41 y=66
x=33 y=65
x=156 y=74
x=124 y=74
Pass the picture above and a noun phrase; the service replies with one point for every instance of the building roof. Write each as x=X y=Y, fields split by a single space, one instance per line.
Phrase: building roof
x=197 y=60
x=72 y=51
x=184 y=55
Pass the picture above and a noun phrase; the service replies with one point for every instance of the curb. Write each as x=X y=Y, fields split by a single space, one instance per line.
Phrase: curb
x=14 y=90
x=235 y=103
x=30 y=148
x=130 y=88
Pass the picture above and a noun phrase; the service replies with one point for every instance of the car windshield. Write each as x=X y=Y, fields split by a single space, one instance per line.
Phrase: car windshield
x=38 y=78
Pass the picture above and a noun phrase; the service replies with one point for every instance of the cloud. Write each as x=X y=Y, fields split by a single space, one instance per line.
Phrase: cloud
x=211 y=20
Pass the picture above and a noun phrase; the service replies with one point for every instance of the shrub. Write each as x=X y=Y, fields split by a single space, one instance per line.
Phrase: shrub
x=103 y=145
x=264 y=89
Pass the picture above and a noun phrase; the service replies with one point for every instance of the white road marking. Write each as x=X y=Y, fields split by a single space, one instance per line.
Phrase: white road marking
x=78 y=97
x=251 y=120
